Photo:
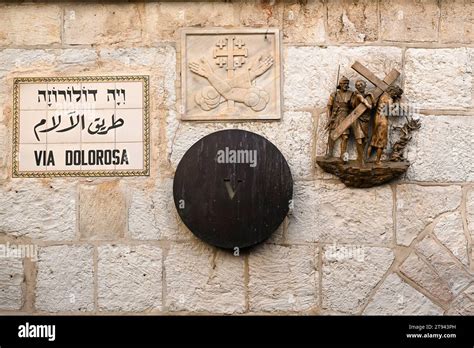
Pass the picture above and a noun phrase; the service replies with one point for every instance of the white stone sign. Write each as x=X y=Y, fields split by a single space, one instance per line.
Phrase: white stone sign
x=81 y=126
x=230 y=74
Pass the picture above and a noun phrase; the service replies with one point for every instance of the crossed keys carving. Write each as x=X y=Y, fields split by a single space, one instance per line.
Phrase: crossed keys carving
x=230 y=53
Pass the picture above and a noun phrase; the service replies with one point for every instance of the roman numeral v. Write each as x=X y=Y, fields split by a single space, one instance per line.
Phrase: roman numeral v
x=230 y=190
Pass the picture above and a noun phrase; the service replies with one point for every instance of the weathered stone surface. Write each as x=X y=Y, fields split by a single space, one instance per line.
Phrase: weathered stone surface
x=470 y=211
x=463 y=304
x=348 y=280
x=11 y=279
x=163 y=20
x=405 y=20
x=260 y=13
x=395 y=297
x=418 y=271
x=129 y=278
x=450 y=232
x=38 y=210
x=158 y=62
x=457 y=21
x=430 y=161
x=418 y=206
x=202 y=279
x=17 y=21
x=311 y=72
x=334 y=213
x=25 y=61
x=78 y=56
x=445 y=265
x=152 y=214
x=446 y=160
x=65 y=279
x=350 y=21
x=438 y=77
x=3 y=150
x=293 y=136
x=283 y=278
x=102 y=211
x=95 y=24
x=303 y=22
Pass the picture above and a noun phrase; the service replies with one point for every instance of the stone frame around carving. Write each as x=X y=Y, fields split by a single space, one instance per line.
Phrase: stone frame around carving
x=183 y=107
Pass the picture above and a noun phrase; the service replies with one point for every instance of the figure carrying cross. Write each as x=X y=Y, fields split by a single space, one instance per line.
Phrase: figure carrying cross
x=352 y=112
x=362 y=102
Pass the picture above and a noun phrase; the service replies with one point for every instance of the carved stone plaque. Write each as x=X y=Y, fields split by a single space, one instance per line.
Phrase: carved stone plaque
x=81 y=126
x=230 y=74
x=233 y=188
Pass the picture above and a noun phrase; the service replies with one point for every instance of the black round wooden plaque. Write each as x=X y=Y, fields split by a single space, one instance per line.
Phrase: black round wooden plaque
x=233 y=188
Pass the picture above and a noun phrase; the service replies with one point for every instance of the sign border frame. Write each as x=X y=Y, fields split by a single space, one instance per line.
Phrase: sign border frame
x=17 y=81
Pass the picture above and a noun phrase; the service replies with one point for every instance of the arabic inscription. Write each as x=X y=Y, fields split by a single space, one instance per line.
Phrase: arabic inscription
x=81 y=126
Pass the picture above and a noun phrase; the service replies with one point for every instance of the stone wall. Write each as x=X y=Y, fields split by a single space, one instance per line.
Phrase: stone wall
x=118 y=246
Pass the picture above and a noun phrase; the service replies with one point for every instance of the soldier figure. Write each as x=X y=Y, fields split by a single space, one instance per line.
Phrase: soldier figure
x=339 y=106
x=360 y=127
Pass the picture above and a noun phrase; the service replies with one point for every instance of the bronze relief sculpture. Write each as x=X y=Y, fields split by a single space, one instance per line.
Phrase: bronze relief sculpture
x=363 y=116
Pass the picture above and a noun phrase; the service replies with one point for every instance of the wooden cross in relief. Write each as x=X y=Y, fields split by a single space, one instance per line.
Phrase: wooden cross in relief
x=380 y=87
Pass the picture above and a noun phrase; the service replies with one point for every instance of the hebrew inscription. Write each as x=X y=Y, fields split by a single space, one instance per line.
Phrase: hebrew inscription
x=81 y=126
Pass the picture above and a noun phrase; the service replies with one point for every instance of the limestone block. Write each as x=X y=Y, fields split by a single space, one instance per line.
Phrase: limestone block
x=303 y=22
x=11 y=279
x=17 y=21
x=457 y=21
x=348 y=280
x=395 y=297
x=405 y=20
x=352 y=21
x=78 y=56
x=65 y=279
x=418 y=206
x=310 y=73
x=283 y=278
x=328 y=212
x=102 y=211
x=470 y=211
x=163 y=20
x=3 y=150
x=260 y=13
x=158 y=62
x=438 y=78
x=102 y=24
x=38 y=210
x=202 y=279
x=463 y=304
x=441 y=150
x=418 y=271
x=450 y=232
x=153 y=215
x=447 y=267
x=129 y=278
x=24 y=60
